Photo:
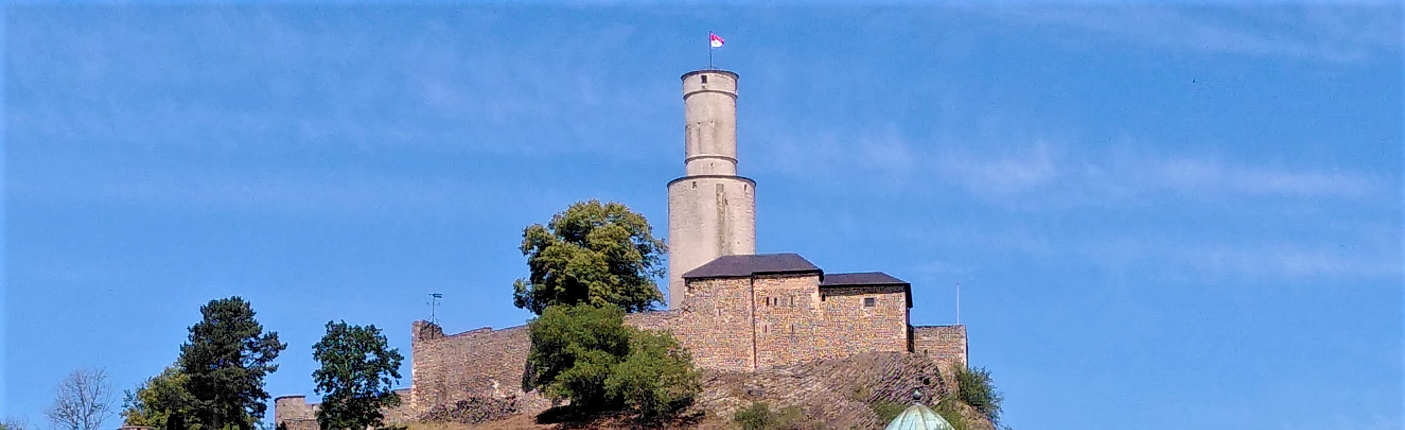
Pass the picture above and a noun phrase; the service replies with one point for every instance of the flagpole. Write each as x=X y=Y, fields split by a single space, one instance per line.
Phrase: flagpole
x=709 y=50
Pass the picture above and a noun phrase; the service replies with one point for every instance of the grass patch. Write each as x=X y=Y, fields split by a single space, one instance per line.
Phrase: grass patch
x=887 y=411
x=759 y=416
x=949 y=411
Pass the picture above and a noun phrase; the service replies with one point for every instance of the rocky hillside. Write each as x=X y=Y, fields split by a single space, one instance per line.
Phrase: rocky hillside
x=836 y=394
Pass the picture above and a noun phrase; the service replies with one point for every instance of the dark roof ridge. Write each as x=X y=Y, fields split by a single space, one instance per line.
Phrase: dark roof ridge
x=740 y=266
x=861 y=278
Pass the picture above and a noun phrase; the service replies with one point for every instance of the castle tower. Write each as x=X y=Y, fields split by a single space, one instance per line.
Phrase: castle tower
x=711 y=210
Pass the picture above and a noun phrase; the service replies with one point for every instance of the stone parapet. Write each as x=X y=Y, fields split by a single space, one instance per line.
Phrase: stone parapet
x=944 y=343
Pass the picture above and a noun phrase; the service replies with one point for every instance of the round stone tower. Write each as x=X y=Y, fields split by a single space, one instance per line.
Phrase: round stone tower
x=711 y=210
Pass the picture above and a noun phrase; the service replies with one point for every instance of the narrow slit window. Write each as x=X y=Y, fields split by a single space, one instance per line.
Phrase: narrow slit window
x=869 y=302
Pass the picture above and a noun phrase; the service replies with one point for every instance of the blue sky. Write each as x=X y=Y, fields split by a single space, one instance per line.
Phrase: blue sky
x=1160 y=216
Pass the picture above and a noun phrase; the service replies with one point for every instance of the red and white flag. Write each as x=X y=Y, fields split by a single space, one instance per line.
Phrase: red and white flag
x=716 y=40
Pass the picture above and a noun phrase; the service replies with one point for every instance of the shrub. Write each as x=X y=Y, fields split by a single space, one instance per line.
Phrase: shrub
x=656 y=378
x=793 y=418
x=756 y=417
x=974 y=387
x=587 y=355
x=952 y=414
x=886 y=410
x=573 y=350
x=759 y=416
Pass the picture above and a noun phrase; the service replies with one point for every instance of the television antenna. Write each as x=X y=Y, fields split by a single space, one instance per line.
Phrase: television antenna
x=433 y=303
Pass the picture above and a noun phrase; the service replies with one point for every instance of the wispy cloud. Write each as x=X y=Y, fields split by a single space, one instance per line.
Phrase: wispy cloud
x=1126 y=207
x=258 y=77
x=1336 y=33
x=266 y=192
x=1054 y=172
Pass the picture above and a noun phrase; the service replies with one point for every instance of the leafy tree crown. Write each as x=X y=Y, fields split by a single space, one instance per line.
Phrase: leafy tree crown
x=226 y=358
x=600 y=254
x=587 y=355
x=358 y=372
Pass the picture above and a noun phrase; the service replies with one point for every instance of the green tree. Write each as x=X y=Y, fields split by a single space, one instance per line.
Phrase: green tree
x=586 y=354
x=974 y=387
x=161 y=402
x=226 y=359
x=601 y=254
x=357 y=375
x=657 y=378
x=573 y=350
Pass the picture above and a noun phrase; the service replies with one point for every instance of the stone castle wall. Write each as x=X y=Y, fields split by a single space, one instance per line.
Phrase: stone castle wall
x=850 y=327
x=944 y=344
x=715 y=324
x=477 y=363
x=728 y=324
x=786 y=318
x=295 y=413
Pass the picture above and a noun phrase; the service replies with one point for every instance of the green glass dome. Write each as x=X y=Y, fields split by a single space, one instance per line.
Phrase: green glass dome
x=918 y=417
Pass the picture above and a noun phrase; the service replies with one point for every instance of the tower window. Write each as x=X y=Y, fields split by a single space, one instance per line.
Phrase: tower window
x=869 y=302
x=704 y=79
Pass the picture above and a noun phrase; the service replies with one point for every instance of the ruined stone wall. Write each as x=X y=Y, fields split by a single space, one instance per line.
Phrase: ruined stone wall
x=786 y=314
x=849 y=327
x=294 y=413
x=944 y=344
x=478 y=363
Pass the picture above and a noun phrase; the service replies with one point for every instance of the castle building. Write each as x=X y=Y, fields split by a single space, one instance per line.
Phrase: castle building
x=733 y=309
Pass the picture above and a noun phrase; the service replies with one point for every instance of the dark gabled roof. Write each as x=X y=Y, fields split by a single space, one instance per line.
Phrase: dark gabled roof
x=739 y=266
x=865 y=278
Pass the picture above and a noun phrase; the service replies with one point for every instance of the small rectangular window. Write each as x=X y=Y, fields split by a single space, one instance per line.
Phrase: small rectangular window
x=704 y=79
x=869 y=302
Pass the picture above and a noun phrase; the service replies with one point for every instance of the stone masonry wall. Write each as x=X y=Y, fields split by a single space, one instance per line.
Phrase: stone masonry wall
x=787 y=316
x=478 y=363
x=728 y=324
x=944 y=344
x=294 y=413
x=850 y=328
x=715 y=324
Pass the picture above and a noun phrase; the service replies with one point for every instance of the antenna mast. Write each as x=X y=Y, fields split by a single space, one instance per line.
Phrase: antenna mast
x=958 y=303
x=433 y=303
